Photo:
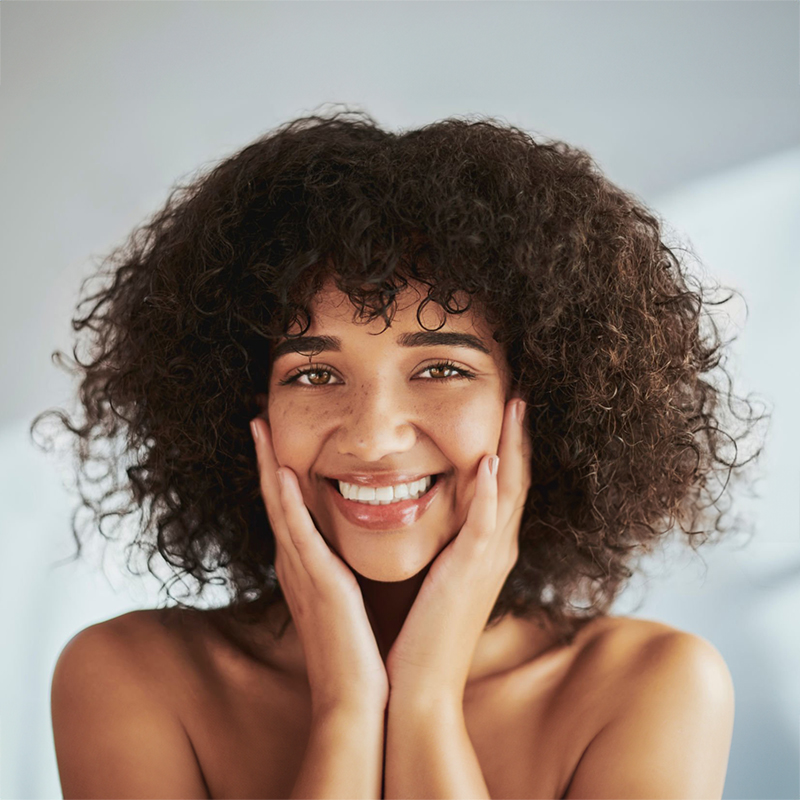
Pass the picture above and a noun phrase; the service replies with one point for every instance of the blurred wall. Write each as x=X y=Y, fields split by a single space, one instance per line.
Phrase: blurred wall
x=745 y=596
x=104 y=105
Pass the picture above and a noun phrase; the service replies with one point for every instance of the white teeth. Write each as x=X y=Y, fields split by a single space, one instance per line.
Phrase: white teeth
x=364 y=493
x=384 y=495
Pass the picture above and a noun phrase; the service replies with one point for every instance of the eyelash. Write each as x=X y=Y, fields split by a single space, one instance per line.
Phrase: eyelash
x=462 y=373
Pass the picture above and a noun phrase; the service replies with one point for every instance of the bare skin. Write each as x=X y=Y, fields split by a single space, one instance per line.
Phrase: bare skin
x=392 y=620
x=531 y=708
x=375 y=405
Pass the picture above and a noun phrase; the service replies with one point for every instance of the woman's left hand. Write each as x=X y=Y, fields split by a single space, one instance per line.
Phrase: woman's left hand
x=433 y=652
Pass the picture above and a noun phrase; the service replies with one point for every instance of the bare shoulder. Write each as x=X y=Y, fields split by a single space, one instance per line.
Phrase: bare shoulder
x=116 y=730
x=150 y=642
x=624 y=658
x=633 y=651
x=136 y=639
x=667 y=719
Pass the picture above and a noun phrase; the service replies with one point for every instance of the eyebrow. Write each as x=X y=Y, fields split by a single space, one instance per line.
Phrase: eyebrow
x=317 y=344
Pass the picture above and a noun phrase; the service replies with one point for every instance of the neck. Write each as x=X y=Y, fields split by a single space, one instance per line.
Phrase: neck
x=388 y=604
x=509 y=643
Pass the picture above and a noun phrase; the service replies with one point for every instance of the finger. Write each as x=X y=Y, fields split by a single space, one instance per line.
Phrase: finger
x=267 y=462
x=481 y=522
x=270 y=489
x=308 y=542
x=514 y=452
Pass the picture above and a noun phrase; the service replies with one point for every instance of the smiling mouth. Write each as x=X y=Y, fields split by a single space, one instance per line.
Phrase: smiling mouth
x=335 y=484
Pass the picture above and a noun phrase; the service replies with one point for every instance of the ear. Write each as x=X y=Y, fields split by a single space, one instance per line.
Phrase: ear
x=514 y=394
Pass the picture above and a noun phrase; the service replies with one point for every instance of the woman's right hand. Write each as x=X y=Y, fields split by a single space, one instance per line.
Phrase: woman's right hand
x=344 y=664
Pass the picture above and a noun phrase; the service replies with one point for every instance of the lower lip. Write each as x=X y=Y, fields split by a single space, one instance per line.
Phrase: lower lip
x=382 y=518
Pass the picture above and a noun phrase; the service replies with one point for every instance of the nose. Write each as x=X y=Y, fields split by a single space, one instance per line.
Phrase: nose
x=379 y=423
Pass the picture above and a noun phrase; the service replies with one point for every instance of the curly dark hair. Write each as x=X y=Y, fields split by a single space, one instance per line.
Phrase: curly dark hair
x=602 y=335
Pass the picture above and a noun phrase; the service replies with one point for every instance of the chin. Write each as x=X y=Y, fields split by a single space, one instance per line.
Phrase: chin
x=388 y=562
x=386 y=573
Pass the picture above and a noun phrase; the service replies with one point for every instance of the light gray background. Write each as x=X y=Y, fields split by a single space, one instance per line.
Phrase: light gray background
x=694 y=106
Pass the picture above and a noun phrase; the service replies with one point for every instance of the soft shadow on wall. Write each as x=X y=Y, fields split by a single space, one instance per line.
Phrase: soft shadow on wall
x=743 y=226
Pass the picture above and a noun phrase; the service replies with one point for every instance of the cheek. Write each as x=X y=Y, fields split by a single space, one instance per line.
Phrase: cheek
x=469 y=428
x=295 y=429
x=463 y=426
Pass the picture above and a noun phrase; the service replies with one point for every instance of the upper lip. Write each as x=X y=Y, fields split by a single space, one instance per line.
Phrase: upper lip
x=379 y=478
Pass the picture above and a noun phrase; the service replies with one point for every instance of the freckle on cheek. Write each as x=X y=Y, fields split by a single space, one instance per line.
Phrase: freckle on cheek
x=469 y=435
x=472 y=430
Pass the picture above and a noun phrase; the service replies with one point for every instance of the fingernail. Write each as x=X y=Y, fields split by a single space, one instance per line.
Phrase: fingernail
x=254 y=429
x=519 y=411
x=279 y=476
x=493 y=462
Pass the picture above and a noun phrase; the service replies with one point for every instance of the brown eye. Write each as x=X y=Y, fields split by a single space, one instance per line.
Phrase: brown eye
x=317 y=376
x=446 y=366
x=318 y=372
x=440 y=369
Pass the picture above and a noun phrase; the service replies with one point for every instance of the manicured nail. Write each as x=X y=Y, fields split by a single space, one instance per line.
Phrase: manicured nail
x=519 y=410
x=279 y=476
x=493 y=462
x=254 y=429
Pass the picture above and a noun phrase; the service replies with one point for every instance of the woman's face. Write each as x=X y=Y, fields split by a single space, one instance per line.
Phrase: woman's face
x=378 y=411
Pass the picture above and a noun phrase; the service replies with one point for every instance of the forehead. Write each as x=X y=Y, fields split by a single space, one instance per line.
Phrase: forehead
x=331 y=308
x=334 y=324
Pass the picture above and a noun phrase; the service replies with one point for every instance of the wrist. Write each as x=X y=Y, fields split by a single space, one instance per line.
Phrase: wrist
x=424 y=702
x=359 y=708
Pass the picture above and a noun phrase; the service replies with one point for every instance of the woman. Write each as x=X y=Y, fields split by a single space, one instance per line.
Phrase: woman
x=483 y=330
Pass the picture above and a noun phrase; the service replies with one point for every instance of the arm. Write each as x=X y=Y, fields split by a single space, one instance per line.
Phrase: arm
x=672 y=734
x=114 y=736
x=346 y=675
x=428 y=751
x=344 y=756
